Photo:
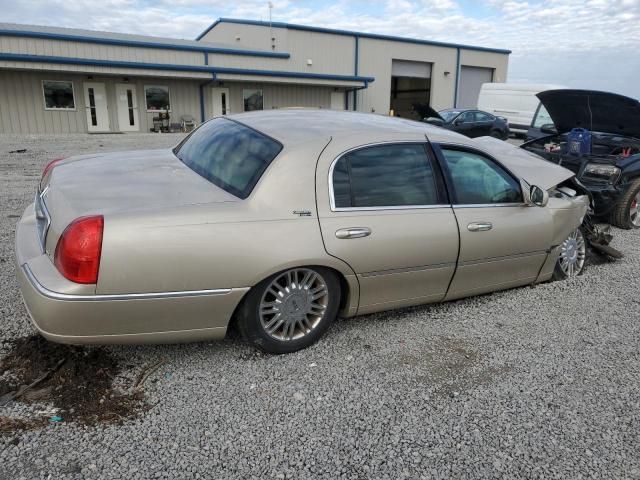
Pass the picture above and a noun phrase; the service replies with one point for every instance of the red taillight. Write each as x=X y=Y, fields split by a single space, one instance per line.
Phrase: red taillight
x=47 y=169
x=78 y=252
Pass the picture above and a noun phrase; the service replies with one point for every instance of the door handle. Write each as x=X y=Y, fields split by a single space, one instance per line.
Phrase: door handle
x=353 y=232
x=479 y=226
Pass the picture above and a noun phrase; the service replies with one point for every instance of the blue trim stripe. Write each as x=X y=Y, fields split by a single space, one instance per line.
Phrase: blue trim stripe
x=374 y=36
x=140 y=43
x=19 y=57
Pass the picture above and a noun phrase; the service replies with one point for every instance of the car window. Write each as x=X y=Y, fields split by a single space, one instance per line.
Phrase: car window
x=228 y=154
x=384 y=176
x=467 y=117
x=479 y=180
x=483 y=117
x=542 y=117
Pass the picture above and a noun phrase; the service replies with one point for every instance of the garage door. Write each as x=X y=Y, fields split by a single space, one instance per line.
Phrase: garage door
x=406 y=68
x=471 y=79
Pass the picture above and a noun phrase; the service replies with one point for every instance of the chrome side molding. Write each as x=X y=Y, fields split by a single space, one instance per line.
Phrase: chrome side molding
x=41 y=289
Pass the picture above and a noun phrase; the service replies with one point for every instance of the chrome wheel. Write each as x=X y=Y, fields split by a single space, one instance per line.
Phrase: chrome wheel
x=294 y=304
x=573 y=252
x=634 y=211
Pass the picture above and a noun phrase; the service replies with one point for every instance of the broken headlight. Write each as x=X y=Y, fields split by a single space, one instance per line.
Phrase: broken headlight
x=598 y=171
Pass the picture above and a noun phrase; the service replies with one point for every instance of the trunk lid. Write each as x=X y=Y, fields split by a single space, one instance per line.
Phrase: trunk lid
x=123 y=182
x=596 y=111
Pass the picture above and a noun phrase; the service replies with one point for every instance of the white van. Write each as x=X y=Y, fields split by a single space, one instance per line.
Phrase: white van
x=517 y=102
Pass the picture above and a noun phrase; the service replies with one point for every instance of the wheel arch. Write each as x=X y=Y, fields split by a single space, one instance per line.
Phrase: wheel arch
x=349 y=285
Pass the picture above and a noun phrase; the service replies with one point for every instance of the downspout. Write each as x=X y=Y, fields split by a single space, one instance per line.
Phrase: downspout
x=457 y=84
x=355 y=92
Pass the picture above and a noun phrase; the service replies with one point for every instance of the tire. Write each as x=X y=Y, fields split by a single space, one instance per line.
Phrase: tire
x=290 y=310
x=573 y=255
x=497 y=134
x=623 y=212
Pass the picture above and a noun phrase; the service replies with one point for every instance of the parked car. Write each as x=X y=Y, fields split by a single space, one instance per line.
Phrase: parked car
x=471 y=123
x=516 y=102
x=280 y=221
x=607 y=160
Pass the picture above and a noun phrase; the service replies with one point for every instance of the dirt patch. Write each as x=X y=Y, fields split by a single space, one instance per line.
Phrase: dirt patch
x=451 y=366
x=76 y=381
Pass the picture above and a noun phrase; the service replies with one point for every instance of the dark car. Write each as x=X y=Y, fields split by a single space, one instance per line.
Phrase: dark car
x=597 y=136
x=472 y=123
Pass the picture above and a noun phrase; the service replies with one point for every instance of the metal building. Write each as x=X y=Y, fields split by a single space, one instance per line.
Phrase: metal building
x=57 y=80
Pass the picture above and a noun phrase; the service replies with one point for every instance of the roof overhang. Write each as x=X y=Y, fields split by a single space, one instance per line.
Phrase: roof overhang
x=186 y=71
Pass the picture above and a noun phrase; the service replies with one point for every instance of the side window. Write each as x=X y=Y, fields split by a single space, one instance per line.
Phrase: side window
x=483 y=117
x=467 y=117
x=384 y=176
x=479 y=180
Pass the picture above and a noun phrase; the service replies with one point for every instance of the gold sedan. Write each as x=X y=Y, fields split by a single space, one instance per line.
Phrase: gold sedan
x=282 y=220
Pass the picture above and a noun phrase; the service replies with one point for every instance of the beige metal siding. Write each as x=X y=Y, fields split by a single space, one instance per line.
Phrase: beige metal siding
x=274 y=96
x=375 y=60
x=63 y=48
x=22 y=102
x=498 y=61
x=329 y=53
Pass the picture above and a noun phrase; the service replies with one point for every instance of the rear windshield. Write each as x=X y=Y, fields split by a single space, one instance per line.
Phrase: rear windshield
x=228 y=154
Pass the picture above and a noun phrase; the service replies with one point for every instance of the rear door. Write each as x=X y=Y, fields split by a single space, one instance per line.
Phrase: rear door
x=383 y=209
x=503 y=242
x=484 y=124
x=465 y=124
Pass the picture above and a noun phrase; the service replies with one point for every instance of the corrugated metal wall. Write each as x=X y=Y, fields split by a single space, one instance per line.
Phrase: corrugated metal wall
x=22 y=102
x=332 y=54
x=274 y=96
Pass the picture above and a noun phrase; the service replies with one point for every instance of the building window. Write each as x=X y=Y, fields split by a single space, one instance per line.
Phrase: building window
x=252 y=99
x=157 y=98
x=58 y=95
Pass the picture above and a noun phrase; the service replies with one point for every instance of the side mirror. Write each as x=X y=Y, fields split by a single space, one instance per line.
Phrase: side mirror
x=538 y=196
x=435 y=121
x=458 y=122
x=549 y=129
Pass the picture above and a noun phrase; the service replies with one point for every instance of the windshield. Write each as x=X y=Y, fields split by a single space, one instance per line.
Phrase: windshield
x=542 y=117
x=448 y=115
x=228 y=154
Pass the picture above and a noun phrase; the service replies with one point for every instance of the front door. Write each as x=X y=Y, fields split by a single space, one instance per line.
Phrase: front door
x=220 y=101
x=337 y=100
x=95 y=101
x=383 y=210
x=503 y=242
x=127 y=103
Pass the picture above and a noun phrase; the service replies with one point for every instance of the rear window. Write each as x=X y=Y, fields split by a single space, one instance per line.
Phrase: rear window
x=228 y=154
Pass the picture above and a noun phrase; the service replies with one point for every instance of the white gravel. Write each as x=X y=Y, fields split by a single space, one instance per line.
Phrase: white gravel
x=539 y=382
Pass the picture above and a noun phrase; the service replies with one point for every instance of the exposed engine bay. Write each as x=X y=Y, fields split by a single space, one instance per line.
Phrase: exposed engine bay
x=604 y=149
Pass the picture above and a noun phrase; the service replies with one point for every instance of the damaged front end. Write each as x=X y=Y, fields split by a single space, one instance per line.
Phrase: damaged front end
x=598 y=237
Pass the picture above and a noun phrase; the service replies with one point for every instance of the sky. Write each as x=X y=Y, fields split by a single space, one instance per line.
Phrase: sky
x=575 y=43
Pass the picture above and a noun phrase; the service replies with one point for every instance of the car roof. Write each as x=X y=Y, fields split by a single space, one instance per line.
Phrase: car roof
x=291 y=126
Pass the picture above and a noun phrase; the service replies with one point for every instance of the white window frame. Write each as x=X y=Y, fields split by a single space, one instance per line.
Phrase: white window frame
x=145 y=98
x=54 y=109
x=252 y=89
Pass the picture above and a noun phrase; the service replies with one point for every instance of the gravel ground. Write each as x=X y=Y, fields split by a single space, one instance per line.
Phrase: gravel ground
x=536 y=382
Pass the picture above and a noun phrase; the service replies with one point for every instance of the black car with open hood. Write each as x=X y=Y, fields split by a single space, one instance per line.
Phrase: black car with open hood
x=597 y=135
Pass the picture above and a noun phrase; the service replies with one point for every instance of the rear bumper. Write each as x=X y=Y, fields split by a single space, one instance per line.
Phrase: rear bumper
x=65 y=312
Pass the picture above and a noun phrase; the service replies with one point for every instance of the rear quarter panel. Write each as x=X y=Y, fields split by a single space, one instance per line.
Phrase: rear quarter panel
x=222 y=245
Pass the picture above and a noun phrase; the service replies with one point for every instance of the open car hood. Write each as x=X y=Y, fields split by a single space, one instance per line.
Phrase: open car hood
x=529 y=167
x=596 y=111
